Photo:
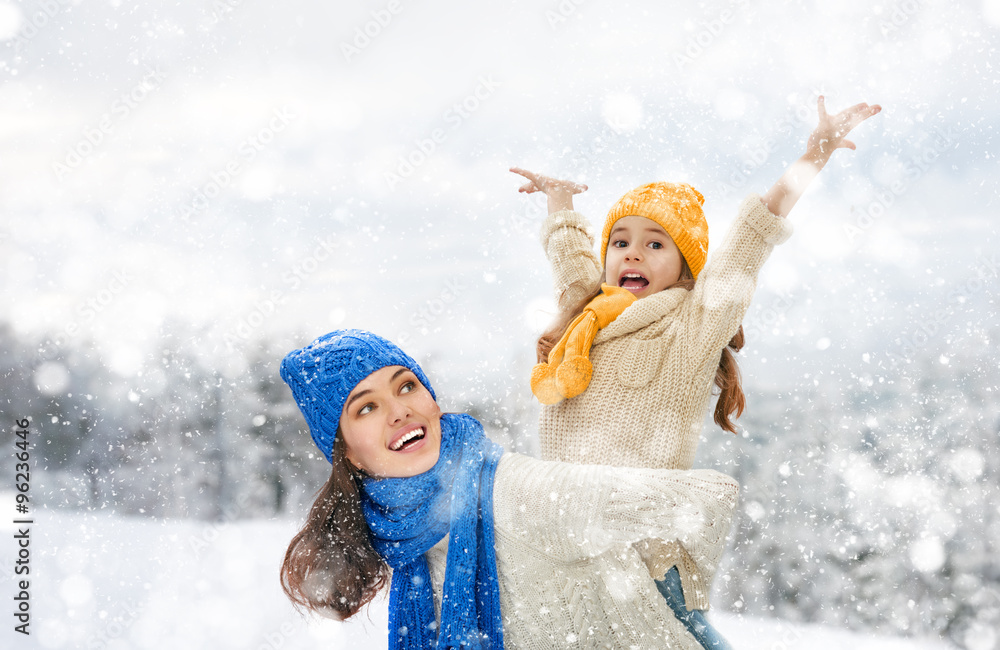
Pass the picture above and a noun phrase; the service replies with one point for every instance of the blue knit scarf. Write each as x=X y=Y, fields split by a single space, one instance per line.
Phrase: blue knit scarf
x=407 y=516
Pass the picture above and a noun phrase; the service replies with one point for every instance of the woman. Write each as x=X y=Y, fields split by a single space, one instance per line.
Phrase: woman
x=487 y=549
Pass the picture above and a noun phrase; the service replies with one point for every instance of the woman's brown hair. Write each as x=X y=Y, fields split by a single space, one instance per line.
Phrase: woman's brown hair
x=330 y=566
x=727 y=376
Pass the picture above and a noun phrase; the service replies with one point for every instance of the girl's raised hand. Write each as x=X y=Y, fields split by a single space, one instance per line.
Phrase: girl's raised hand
x=831 y=132
x=560 y=192
x=828 y=136
x=547 y=184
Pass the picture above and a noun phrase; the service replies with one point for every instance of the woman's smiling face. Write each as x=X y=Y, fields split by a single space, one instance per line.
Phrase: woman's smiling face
x=391 y=424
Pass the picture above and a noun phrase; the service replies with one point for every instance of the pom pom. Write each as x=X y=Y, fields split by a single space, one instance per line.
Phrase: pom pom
x=573 y=375
x=543 y=384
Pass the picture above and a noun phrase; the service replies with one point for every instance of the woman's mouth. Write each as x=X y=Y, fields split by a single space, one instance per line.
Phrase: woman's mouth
x=408 y=439
x=633 y=281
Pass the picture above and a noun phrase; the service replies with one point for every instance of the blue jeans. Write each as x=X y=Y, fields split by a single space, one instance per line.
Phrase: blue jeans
x=694 y=620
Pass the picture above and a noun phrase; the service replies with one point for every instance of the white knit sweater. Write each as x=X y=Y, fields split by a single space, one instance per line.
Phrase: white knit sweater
x=654 y=365
x=567 y=540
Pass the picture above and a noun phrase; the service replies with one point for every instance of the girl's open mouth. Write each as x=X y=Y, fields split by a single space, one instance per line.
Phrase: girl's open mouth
x=633 y=281
x=408 y=439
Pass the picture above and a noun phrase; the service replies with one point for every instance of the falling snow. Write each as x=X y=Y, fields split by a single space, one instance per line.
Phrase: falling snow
x=165 y=240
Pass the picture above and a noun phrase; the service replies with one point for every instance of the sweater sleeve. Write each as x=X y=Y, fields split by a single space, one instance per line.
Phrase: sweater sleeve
x=570 y=249
x=570 y=512
x=726 y=285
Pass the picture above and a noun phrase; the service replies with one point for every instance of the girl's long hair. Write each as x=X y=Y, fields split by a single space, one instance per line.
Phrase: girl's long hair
x=330 y=566
x=727 y=376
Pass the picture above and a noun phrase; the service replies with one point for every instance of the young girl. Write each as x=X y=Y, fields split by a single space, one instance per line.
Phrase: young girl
x=487 y=549
x=625 y=374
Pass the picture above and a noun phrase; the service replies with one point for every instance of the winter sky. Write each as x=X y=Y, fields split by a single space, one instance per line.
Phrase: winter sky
x=252 y=169
x=241 y=169
x=202 y=163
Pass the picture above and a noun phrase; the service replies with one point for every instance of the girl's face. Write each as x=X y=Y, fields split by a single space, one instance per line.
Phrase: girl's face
x=641 y=257
x=391 y=424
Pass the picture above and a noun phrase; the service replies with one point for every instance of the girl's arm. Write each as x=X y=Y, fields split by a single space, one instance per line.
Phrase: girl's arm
x=565 y=238
x=559 y=192
x=726 y=285
x=830 y=134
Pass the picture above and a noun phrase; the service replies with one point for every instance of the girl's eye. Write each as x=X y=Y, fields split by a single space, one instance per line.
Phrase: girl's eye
x=655 y=245
x=619 y=243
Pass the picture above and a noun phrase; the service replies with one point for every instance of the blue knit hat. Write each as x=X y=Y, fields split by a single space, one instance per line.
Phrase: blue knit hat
x=322 y=375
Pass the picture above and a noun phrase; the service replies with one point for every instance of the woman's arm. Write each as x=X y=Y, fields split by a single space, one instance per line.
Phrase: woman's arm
x=570 y=512
x=830 y=134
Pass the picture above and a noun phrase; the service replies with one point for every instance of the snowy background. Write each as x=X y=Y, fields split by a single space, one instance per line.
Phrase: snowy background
x=190 y=191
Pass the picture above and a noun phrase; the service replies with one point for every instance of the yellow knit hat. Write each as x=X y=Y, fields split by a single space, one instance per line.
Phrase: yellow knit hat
x=676 y=207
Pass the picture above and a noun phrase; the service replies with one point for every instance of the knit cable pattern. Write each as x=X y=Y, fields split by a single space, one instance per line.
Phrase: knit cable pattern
x=568 y=540
x=653 y=366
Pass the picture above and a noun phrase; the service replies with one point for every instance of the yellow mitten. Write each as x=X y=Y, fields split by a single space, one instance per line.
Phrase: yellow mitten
x=568 y=371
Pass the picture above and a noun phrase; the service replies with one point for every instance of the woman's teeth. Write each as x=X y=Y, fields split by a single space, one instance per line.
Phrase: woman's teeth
x=407 y=437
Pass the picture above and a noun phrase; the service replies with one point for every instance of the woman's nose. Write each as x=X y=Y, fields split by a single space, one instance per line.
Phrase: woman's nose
x=398 y=410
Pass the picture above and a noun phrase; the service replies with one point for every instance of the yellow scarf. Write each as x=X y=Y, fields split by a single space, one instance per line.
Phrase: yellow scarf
x=568 y=371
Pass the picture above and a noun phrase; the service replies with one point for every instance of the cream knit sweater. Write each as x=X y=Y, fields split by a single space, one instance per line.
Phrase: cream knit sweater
x=567 y=540
x=654 y=365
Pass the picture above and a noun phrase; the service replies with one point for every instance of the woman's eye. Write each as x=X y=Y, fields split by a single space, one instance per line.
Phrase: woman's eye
x=366 y=409
x=407 y=387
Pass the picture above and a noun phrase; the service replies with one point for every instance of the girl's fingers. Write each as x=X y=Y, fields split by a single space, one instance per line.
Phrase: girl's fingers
x=524 y=172
x=857 y=108
x=845 y=121
x=861 y=112
x=872 y=110
x=540 y=183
